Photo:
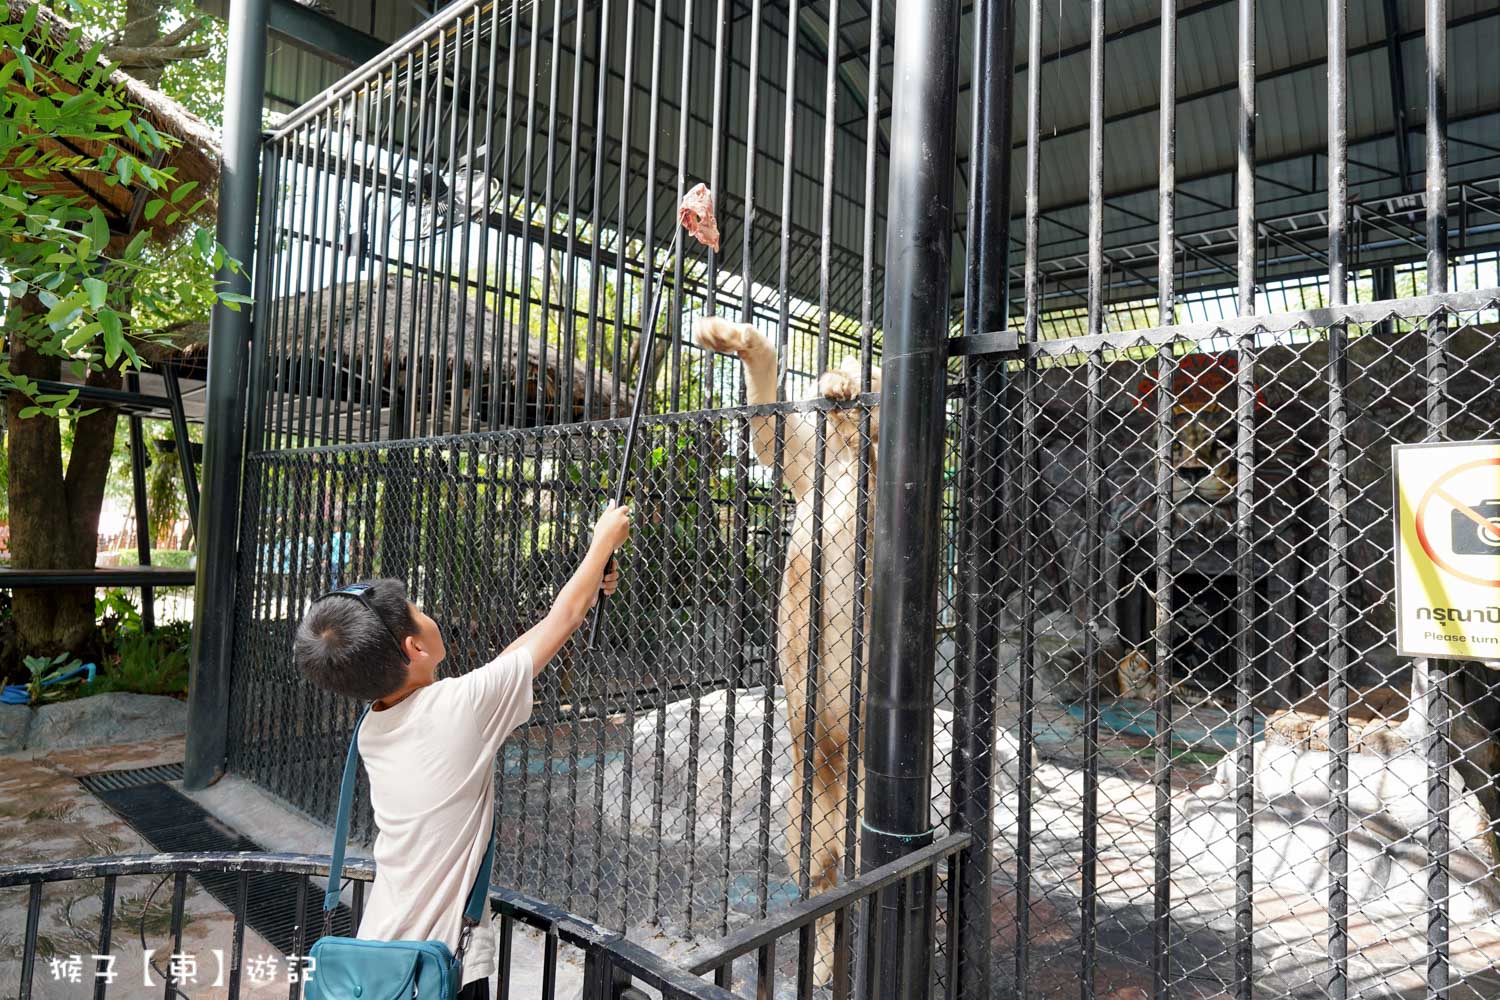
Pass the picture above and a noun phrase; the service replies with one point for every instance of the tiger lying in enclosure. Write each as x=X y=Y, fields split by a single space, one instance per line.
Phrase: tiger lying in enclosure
x=839 y=575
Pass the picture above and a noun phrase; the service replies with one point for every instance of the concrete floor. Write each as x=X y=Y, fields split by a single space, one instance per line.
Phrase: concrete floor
x=46 y=814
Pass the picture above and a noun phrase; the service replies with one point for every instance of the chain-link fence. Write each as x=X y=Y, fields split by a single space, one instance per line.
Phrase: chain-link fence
x=1230 y=783
x=1212 y=773
x=693 y=770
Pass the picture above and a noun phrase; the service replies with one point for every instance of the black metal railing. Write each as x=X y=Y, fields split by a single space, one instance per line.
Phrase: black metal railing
x=842 y=907
x=612 y=965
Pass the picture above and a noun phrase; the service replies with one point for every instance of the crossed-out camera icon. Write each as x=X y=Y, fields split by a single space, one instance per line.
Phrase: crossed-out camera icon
x=1475 y=530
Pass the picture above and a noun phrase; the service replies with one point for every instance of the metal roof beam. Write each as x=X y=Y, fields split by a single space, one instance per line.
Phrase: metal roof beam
x=318 y=33
x=1289 y=158
x=1232 y=86
x=121 y=399
x=1130 y=29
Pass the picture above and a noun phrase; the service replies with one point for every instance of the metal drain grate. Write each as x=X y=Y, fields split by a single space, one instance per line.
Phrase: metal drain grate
x=109 y=780
x=170 y=821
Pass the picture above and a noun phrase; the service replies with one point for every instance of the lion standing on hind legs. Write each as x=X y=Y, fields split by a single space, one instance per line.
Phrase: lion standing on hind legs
x=840 y=576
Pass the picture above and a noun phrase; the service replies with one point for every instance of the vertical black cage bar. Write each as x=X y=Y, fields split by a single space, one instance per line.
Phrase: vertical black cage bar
x=1244 y=573
x=986 y=309
x=1244 y=641
x=788 y=169
x=1166 y=158
x=1161 y=924
x=1338 y=499
x=1027 y=665
x=1245 y=172
x=1439 y=681
x=1093 y=509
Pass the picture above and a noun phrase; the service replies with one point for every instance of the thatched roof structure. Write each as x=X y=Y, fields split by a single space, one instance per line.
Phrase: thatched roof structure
x=337 y=326
x=195 y=146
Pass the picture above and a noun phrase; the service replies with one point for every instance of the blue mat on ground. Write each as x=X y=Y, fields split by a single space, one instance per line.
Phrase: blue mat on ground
x=1138 y=718
x=18 y=694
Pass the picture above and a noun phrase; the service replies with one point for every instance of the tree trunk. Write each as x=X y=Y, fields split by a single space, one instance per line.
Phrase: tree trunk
x=54 y=515
x=142 y=31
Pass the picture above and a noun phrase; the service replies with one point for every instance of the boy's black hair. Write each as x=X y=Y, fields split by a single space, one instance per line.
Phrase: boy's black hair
x=342 y=647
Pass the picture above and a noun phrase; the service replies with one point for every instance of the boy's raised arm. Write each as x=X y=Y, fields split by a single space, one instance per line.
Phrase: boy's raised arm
x=578 y=595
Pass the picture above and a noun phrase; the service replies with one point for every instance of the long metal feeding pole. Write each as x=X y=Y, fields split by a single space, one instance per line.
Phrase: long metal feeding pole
x=648 y=345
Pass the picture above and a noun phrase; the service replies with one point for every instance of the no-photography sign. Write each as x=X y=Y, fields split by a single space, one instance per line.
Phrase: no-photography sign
x=1448 y=549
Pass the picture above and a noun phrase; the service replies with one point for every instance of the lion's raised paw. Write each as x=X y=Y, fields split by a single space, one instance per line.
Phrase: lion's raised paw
x=837 y=385
x=714 y=333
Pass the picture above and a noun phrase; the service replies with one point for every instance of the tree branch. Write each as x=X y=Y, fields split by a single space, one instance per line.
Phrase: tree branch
x=153 y=56
x=181 y=34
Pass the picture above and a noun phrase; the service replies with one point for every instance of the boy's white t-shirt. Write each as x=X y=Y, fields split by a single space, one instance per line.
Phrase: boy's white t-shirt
x=431 y=762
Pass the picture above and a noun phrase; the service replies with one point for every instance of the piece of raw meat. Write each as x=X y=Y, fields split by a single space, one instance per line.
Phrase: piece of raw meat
x=696 y=213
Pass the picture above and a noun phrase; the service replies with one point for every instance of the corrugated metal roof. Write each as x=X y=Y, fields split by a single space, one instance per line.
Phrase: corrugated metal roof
x=1291 y=120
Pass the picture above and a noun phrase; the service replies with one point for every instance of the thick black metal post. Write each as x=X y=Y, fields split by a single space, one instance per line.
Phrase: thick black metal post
x=986 y=310
x=183 y=443
x=224 y=437
x=898 y=737
x=142 y=514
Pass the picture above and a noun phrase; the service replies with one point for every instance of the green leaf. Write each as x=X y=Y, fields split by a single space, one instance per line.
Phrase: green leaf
x=97 y=229
x=75 y=104
x=114 y=336
x=154 y=207
x=80 y=337
x=203 y=240
x=27 y=412
x=183 y=191
x=97 y=292
x=28 y=70
x=64 y=309
x=63 y=399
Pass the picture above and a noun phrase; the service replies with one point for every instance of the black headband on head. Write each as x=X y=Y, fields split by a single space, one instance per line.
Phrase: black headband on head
x=357 y=591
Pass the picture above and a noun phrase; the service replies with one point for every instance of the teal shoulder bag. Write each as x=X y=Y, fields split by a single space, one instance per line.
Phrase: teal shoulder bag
x=346 y=968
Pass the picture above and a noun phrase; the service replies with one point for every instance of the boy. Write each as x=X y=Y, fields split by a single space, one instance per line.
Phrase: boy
x=429 y=745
